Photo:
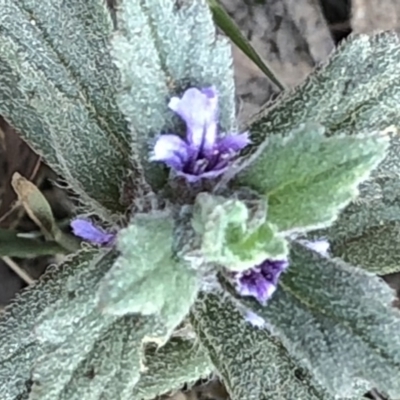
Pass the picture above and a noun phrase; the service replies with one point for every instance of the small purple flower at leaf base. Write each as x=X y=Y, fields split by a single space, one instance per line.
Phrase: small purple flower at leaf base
x=203 y=153
x=89 y=232
x=261 y=281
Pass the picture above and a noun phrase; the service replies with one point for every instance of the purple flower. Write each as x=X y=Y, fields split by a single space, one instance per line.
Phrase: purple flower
x=87 y=231
x=203 y=153
x=261 y=281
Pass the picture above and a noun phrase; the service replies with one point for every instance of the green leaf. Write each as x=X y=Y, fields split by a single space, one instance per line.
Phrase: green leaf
x=58 y=89
x=339 y=321
x=161 y=49
x=366 y=233
x=13 y=245
x=63 y=348
x=229 y=27
x=356 y=92
x=108 y=369
x=88 y=355
x=17 y=325
x=171 y=366
x=308 y=177
x=377 y=250
x=147 y=278
x=252 y=363
x=234 y=234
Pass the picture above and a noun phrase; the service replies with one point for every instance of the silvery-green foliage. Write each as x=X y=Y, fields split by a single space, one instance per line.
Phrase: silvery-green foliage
x=147 y=277
x=161 y=47
x=17 y=326
x=58 y=88
x=308 y=177
x=235 y=234
x=169 y=367
x=355 y=92
x=252 y=363
x=63 y=347
x=103 y=367
x=338 y=321
x=79 y=333
x=366 y=233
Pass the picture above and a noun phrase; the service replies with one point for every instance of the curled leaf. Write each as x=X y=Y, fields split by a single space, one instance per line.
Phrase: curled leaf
x=235 y=234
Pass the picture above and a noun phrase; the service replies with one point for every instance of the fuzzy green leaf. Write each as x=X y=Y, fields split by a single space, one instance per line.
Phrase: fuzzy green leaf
x=356 y=92
x=59 y=335
x=17 y=326
x=72 y=350
x=58 y=88
x=108 y=369
x=308 y=177
x=171 y=366
x=162 y=48
x=235 y=234
x=147 y=278
x=339 y=321
x=366 y=233
x=252 y=363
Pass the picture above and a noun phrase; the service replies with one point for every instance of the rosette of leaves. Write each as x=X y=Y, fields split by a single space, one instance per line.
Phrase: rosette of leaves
x=156 y=307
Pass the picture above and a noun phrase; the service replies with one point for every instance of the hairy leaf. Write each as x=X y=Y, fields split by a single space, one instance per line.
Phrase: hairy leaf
x=235 y=234
x=18 y=342
x=63 y=347
x=308 y=177
x=147 y=278
x=356 y=92
x=161 y=48
x=338 y=320
x=252 y=363
x=171 y=366
x=108 y=369
x=58 y=89
x=366 y=233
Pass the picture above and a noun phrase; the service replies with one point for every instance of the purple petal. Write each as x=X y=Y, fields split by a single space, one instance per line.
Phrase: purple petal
x=210 y=92
x=87 y=231
x=261 y=281
x=254 y=319
x=199 y=110
x=272 y=270
x=254 y=284
x=233 y=143
x=172 y=150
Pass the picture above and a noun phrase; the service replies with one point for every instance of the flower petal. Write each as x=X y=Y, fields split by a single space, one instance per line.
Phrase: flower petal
x=254 y=284
x=172 y=150
x=272 y=270
x=87 y=231
x=254 y=319
x=233 y=143
x=199 y=110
